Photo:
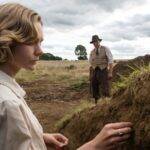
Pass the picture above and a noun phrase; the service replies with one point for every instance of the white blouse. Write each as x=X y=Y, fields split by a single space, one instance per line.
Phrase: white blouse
x=19 y=128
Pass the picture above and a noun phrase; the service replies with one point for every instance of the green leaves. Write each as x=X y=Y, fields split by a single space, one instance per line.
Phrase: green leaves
x=80 y=51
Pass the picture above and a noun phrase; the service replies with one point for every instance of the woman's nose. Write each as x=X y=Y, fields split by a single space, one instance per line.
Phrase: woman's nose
x=38 y=51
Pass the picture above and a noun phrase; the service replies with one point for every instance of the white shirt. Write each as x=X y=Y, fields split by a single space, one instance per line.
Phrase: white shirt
x=109 y=55
x=19 y=128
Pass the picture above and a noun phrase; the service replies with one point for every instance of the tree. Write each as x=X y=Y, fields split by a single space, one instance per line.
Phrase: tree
x=48 y=56
x=80 y=51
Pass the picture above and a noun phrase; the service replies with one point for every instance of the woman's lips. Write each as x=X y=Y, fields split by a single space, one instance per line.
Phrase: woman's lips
x=34 y=61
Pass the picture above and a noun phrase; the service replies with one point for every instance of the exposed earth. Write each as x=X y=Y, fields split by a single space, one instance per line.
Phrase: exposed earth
x=50 y=102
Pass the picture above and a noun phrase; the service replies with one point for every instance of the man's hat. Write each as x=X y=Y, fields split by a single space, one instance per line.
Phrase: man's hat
x=95 y=38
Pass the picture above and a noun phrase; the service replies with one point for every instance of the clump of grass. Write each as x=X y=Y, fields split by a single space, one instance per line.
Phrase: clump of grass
x=124 y=82
x=70 y=67
x=84 y=104
x=79 y=83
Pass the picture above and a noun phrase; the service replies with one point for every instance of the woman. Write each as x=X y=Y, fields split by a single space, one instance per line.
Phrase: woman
x=20 y=47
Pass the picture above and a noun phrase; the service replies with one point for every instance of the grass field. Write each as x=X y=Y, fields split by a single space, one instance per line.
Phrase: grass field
x=57 y=71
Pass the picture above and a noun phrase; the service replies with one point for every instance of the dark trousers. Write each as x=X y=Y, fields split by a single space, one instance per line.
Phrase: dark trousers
x=99 y=83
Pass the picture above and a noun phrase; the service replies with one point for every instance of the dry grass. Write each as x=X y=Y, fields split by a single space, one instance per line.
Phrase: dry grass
x=57 y=71
x=125 y=81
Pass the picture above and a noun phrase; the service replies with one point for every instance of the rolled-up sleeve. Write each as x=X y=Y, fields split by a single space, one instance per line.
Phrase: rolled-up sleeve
x=109 y=55
x=90 y=58
x=14 y=132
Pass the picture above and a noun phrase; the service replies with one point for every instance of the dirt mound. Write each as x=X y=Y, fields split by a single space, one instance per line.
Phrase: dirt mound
x=132 y=104
x=124 y=68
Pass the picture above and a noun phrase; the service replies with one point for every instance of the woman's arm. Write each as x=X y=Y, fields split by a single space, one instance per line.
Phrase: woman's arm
x=14 y=132
x=88 y=146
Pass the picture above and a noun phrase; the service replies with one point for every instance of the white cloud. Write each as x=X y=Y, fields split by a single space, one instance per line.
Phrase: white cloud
x=123 y=25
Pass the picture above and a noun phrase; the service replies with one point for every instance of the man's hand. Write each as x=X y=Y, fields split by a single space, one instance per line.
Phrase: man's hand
x=57 y=139
x=110 y=70
x=110 y=75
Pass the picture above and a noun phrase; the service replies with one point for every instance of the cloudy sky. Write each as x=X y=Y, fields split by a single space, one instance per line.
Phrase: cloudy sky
x=124 y=25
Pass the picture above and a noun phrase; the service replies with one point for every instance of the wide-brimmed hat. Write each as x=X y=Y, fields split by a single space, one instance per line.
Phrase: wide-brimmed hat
x=95 y=38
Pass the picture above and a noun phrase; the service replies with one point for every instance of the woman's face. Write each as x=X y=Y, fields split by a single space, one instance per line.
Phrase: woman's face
x=26 y=56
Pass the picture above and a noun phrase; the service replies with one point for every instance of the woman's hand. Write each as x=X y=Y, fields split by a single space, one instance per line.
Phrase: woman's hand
x=57 y=139
x=112 y=135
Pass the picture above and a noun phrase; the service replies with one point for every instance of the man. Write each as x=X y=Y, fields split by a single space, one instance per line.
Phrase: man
x=101 y=64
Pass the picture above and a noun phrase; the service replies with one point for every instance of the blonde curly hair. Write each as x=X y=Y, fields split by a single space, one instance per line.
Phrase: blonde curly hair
x=18 y=25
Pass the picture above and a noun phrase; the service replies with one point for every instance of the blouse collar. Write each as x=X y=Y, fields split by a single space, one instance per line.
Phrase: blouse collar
x=11 y=83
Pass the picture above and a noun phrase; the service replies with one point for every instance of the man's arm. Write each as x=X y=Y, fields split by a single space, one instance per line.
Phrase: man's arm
x=110 y=68
x=110 y=61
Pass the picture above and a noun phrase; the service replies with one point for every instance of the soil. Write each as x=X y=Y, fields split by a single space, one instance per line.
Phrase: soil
x=50 y=102
x=131 y=104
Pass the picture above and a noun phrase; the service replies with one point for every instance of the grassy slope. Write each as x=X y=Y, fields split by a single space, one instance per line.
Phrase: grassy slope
x=131 y=102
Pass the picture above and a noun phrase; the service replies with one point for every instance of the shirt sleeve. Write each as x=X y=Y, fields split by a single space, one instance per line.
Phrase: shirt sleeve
x=109 y=55
x=14 y=132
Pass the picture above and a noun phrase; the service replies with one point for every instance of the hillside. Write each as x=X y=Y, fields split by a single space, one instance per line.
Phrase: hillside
x=126 y=67
x=130 y=103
